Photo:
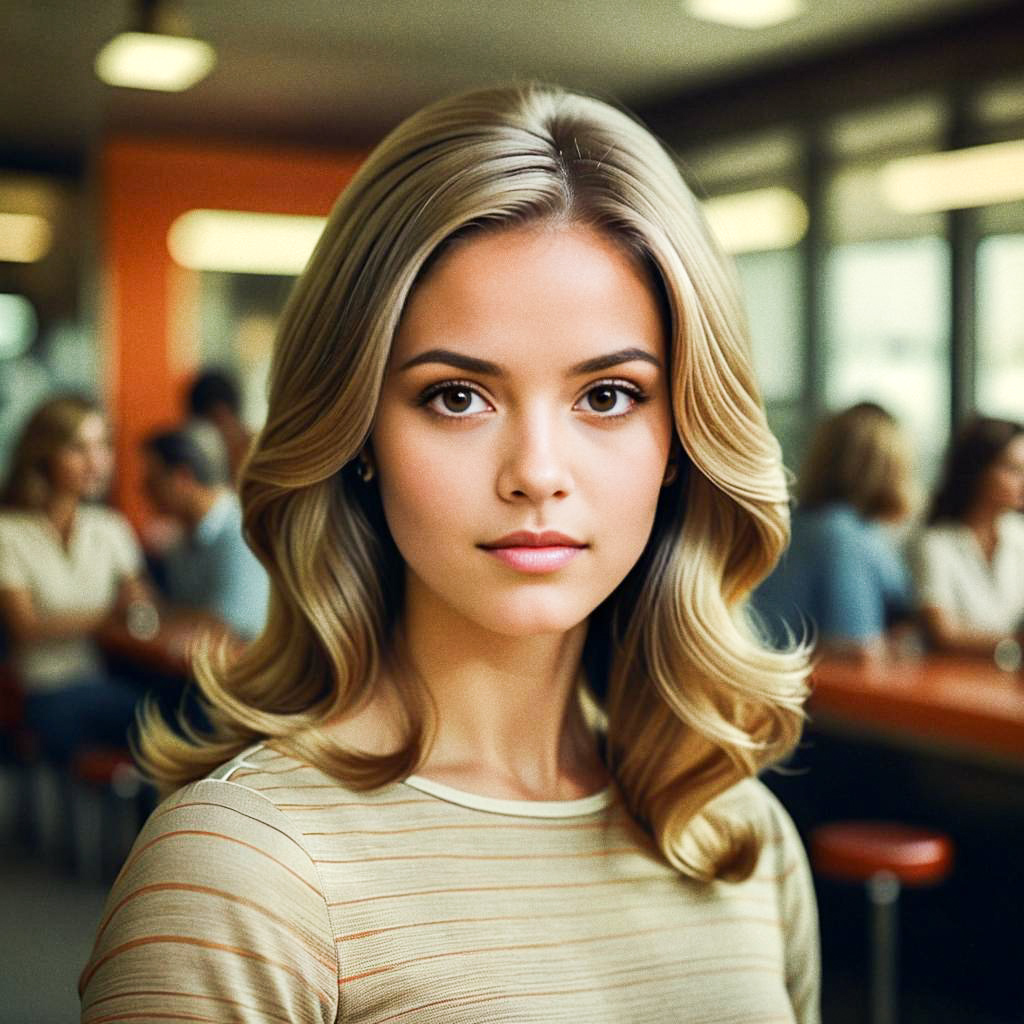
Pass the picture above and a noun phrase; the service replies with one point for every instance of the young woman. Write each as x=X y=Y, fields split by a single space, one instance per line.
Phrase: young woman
x=970 y=559
x=843 y=576
x=66 y=567
x=492 y=757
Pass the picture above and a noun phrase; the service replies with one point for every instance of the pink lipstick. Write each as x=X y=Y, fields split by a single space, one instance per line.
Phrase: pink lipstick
x=535 y=552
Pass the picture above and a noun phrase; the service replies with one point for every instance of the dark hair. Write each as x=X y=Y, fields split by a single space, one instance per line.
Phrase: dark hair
x=175 y=448
x=972 y=452
x=211 y=388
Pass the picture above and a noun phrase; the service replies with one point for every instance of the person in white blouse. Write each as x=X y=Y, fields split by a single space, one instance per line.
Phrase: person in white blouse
x=969 y=561
x=66 y=566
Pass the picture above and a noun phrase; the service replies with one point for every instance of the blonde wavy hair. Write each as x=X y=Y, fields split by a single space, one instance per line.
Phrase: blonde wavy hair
x=694 y=701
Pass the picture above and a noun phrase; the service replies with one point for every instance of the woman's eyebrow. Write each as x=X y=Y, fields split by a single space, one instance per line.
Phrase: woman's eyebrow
x=623 y=355
x=473 y=365
x=443 y=355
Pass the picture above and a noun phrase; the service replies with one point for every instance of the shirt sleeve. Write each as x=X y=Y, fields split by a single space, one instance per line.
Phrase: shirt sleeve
x=14 y=571
x=218 y=914
x=241 y=589
x=798 y=911
x=933 y=575
x=850 y=599
x=127 y=552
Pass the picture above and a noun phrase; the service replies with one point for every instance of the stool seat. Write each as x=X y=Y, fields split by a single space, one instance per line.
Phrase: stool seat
x=107 y=766
x=857 y=850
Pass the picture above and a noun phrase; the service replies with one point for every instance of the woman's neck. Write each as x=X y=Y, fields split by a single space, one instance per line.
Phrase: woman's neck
x=983 y=522
x=61 y=512
x=509 y=722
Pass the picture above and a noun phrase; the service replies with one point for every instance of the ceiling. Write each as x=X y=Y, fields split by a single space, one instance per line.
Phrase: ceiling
x=341 y=72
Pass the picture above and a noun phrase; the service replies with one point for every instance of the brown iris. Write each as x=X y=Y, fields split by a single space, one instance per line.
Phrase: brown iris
x=457 y=399
x=602 y=399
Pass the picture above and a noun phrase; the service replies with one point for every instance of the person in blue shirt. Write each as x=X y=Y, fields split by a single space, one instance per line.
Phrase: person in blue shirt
x=211 y=569
x=843 y=581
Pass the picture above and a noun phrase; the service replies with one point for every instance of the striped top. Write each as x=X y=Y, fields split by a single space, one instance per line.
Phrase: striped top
x=270 y=892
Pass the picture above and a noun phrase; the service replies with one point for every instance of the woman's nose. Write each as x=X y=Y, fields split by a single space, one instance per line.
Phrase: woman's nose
x=535 y=460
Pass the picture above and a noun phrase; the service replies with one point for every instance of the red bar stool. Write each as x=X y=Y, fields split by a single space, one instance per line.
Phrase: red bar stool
x=883 y=856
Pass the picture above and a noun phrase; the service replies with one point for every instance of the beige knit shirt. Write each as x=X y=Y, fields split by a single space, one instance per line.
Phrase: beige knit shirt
x=269 y=892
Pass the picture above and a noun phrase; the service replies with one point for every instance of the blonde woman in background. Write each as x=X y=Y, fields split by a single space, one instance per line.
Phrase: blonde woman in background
x=67 y=566
x=494 y=755
x=844 y=578
x=969 y=561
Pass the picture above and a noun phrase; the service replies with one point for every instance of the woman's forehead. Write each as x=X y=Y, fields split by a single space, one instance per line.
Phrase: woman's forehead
x=555 y=294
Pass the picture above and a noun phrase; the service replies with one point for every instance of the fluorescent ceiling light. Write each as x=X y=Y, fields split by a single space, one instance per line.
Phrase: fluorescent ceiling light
x=756 y=221
x=146 y=60
x=243 y=243
x=750 y=14
x=18 y=325
x=954 y=180
x=24 y=237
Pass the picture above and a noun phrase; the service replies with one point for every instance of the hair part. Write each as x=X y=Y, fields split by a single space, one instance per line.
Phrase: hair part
x=694 y=701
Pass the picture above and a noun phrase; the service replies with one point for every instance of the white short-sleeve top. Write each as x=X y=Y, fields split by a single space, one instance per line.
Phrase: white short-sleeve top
x=83 y=577
x=953 y=574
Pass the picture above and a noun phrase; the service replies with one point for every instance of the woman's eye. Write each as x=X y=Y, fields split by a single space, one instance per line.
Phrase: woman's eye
x=608 y=400
x=456 y=400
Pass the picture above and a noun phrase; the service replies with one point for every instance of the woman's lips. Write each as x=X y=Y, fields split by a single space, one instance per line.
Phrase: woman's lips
x=535 y=552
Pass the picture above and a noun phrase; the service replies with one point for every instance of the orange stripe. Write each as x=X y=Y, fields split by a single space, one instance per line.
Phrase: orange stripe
x=230 y=839
x=482 y=826
x=209 y=891
x=185 y=940
x=613 y=852
x=502 y=888
x=364 y=805
x=138 y=993
x=153 y=1015
x=559 y=944
x=573 y=914
x=643 y=979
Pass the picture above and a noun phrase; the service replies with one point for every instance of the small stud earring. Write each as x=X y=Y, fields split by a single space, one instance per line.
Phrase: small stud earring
x=365 y=468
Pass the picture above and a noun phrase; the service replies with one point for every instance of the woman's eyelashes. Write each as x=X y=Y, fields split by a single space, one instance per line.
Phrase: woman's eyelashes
x=606 y=399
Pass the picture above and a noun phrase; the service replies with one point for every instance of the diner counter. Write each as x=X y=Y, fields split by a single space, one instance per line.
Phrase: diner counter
x=960 y=704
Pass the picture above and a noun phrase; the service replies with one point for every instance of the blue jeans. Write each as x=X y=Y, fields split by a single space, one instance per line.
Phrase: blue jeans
x=96 y=711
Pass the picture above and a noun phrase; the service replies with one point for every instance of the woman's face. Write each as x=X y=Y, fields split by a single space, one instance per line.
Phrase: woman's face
x=82 y=467
x=524 y=428
x=1002 y=484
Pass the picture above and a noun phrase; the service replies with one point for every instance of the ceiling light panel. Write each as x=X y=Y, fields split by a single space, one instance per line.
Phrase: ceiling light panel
x=748 y=14
x=757 y=221
x=24 y=237
x=243 y=243
x=956 y=179
x=145 y=60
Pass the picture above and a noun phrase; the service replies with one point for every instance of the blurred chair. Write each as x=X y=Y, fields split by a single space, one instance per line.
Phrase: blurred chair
x=883 y=856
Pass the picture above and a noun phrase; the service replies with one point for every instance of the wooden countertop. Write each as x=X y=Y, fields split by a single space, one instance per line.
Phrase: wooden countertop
x=959 y=703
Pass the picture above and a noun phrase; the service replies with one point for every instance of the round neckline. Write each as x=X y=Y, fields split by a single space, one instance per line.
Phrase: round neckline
x=518 y=808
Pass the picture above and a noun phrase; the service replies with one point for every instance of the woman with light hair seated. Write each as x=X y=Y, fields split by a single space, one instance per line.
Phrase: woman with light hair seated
x=494 y=754
x=843 y=580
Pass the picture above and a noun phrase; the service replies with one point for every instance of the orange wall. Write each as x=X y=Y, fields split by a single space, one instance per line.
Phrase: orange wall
x=149 y=300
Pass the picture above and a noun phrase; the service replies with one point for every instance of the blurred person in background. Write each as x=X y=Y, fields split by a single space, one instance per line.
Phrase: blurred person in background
x=67 y=568
x=211 y=569
x=843 y=576
x=214 y=399
x=969 y=561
